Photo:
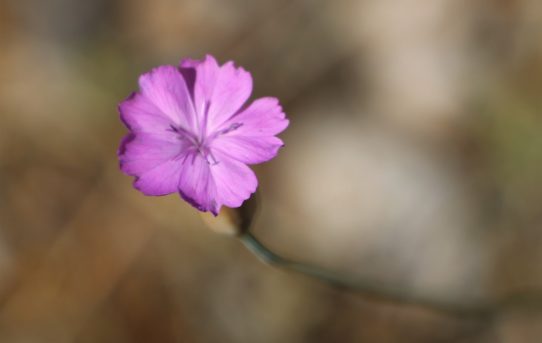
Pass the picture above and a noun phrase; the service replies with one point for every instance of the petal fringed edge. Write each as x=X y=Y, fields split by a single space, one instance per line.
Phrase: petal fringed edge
x=254 y=141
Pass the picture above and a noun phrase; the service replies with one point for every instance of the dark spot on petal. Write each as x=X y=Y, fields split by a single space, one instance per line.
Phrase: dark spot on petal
x=189 y=75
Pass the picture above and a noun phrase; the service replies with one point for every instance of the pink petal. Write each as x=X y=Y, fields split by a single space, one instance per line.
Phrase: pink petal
x=154 y=159
x=247 y=149
x=254 y=141
x=235 y=181
x=264 y=117
x=219 y=91
x=209 y=186
x=160 y=180
x=196 y=184
x=166 y=88
x=142 y=152
x=139 y=114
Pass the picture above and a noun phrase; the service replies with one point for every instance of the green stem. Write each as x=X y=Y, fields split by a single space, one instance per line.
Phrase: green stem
x=394 y=295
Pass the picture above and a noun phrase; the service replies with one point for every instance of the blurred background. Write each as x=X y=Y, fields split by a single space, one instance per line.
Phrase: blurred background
x=413 y=158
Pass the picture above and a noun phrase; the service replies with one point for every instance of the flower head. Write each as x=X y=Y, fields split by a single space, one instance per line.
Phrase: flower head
x=191 y=133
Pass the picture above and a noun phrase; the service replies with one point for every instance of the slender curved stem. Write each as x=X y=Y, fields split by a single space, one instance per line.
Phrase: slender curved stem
x=481 y=309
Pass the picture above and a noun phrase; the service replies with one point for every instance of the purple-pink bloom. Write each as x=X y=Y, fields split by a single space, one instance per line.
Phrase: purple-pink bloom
x=191 y=133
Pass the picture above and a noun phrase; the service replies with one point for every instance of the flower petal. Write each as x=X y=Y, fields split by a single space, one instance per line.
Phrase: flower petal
x=209 y=186
x=264 y=117
x=154 y=159
x=247 y=149
x=160 y=180
x=139 y=114
x=166 y=88
x=253 y=140
x=235 y=181
x=218 y=91
x=144 y=151
x=196 y=184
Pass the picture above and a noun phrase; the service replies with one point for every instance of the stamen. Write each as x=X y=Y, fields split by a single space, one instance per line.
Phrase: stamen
x=211 y=159
x=199 y=146
x=183 y=134
x=231 y=128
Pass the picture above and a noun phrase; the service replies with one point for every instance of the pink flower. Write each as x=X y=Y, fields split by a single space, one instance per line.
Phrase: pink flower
x=190 y=133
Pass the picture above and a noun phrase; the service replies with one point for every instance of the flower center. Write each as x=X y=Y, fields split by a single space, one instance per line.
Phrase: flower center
x=201 y=143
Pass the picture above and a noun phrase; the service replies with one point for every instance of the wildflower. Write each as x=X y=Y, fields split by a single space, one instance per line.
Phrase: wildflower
x=191 y=133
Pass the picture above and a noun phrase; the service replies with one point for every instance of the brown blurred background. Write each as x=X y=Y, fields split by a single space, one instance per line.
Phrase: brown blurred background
x=413 y=158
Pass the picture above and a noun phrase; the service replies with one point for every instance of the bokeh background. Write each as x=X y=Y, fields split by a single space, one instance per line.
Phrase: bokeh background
x=413 y=158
